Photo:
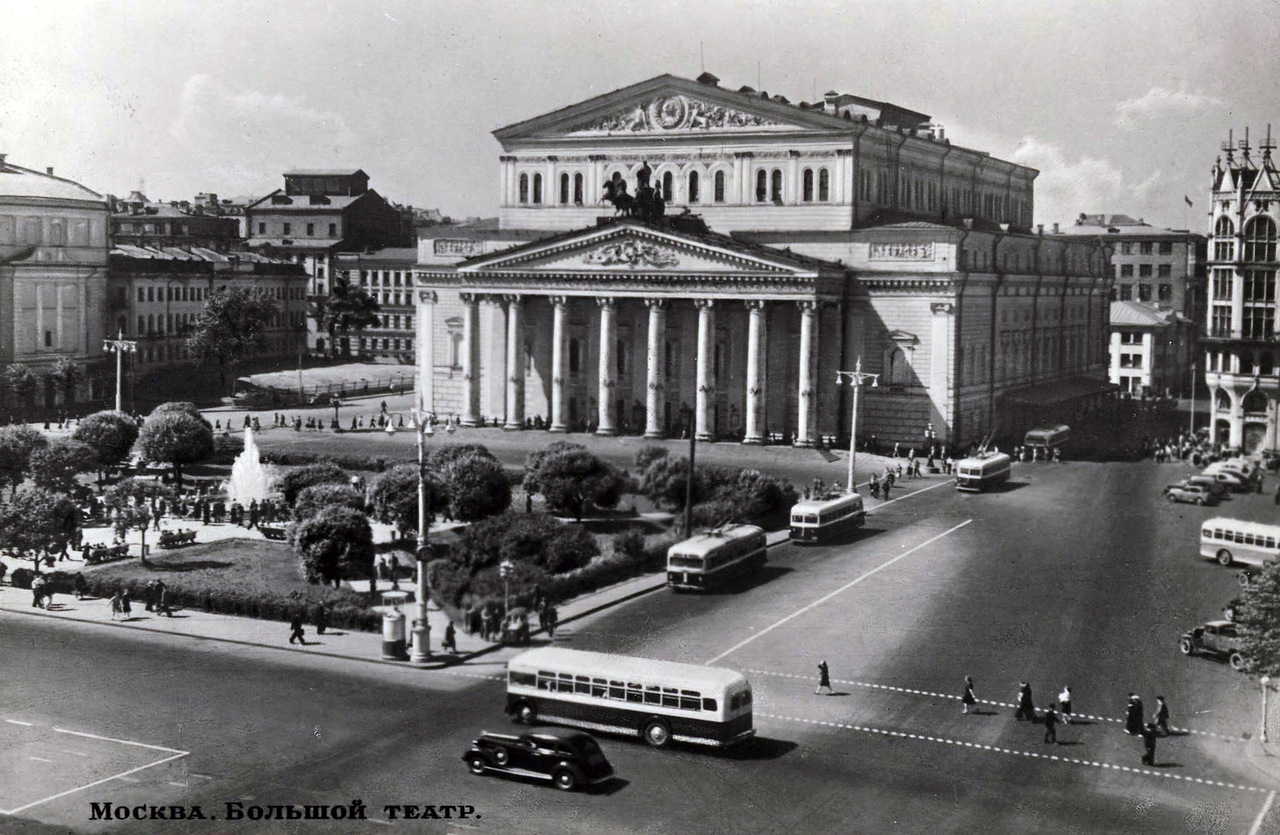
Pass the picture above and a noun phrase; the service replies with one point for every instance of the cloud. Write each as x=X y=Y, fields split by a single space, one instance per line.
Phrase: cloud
x=1067 y=187
x=1160 y=101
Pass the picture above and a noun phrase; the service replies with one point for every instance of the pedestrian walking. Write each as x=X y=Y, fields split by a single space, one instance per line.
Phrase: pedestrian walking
x=968 y=699
x=149 y=595
x=393 y=568
x=1064 y=699
x=80 y=586
x=296 y=634
x=1133 y=717
x=322 y=619
x=1051 y=725
x=37 y=592
x=553 y=619
x=1162 y=715
x=162 y=601
x=824 y=679
x=450 y=642
x=1026 y=707
x=486 y=624
x=117 y=607
x=4 y=569
x=126 y=605
x=884 y=488
x=1148 y=732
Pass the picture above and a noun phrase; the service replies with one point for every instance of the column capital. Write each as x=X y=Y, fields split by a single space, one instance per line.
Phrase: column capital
x=496 y=301
x=807 y=305
x=941 y=308
x=606 y=301
x=754 y=304
x=512 y=298
x=558 y=301
x=704 y=304
x=657 y=304
x=428 y=296
x=469 y=298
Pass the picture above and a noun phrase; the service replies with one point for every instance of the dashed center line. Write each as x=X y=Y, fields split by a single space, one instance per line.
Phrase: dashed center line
x=16 y=722
x=995 y=749
x=40 y=759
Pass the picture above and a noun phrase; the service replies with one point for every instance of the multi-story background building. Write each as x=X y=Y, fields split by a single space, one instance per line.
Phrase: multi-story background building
x=859 y=233
x=206 y=223
x=387 y=276
x=1242 y=358
x=1151 y=348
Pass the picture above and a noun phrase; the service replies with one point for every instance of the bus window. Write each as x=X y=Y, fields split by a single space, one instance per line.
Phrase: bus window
x=735 y=701
x=709 y=704
x=1271 y=542
x=546 y=681
x=1207 y=533
x=690 y=700
x=634 y=693
x=565 y=684
x=1239 y=537
x=617 y=690
x=670 y=698
x=599 y=688
x=652 y=696
x=582 y=684
x=746 y=698
x=526 y=679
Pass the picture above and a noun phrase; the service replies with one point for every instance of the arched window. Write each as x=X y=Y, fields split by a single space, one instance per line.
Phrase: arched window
x=668 y=187
x=1255 y=401
x=524 y=188
x=762 y=186
x=537 y=189
x=692 y=196
x=577 y=189
x=1224 y=245
x=719 y=187
x=564 y=189
x=899 y=372
x=1260 y=239
x=807 y=185
x=824 y=185
x=775 y=190
x=1222 y=401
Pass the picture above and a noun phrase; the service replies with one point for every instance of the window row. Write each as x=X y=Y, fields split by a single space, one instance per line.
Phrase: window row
x=389 y=278
x=367 y=344
x=286 y=229
x=48 y=231
x=1146 y=247
x=1146 y=270
x=621 y=691
x=1125 y=292
x=1259 y=239
x=815 y=186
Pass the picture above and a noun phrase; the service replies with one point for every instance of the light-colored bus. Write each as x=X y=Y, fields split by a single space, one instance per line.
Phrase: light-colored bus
x=659 y=701
x=1045 y=438
x=983 y=471
x=1234 y=540
x=709 y=559
x=820 y=519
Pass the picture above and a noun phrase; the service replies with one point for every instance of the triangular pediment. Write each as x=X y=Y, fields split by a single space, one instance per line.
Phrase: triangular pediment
x=629 y=248
x=672 y=106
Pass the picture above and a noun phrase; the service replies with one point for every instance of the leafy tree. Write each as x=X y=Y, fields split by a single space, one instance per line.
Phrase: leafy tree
x=569 y=477
x=477 y=486
x=184 y=407
x=67 y=374
x=1257 y=618
x=17 y=443
x=394 y=497
x=336 y=541
x=647 y=454
x=442 y=456
x=665 y=481
x=534 y=539
x=129 y=501
x=55 y=466
x=21 y=382
x=322 y=472
x=311 y=500
x=175 y=436
x=231 y=326
x=110 y=434
x=347 y=308
x=37 y=523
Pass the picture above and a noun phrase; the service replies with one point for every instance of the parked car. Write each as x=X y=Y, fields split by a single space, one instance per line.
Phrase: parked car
x=568 y=759
x=1233 y=481
x=324 y=398
x=1217 y=488
x=1218 y=638
x=1193 y=493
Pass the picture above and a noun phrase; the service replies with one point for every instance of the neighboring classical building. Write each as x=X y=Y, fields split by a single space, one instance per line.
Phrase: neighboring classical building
x=387 y=276
x=155 y=295
x=136 y=220
x=1242 y=357
x=53 y=273
x=1151 y=349
x=827 y=234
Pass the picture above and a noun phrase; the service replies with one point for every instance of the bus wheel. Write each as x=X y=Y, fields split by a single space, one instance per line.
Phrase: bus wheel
x=656 y=733
x=526 y=713
x=1224 y=557
x=1236 y=660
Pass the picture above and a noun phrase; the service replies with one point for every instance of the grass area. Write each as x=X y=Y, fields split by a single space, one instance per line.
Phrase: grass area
x=237 y=577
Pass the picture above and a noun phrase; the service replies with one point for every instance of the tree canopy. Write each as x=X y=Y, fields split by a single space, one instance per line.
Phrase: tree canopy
x=37 y=522
x=348 y=307
x=311 y=500
x=475 y=484
x=335 y=542
x=175 y=436
x=231 y=325
x=110 y=434
x=55 y=466
x=322 y=472
x=534 y=539
x=1257 y=618
x=394 y=497
x=66 y=374
x=21 y=382
x=570 y=477
x=17 y=443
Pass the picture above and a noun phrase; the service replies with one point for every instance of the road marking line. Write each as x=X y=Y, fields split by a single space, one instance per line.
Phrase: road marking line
x=121 y=741
x=909 y=495
x=379 y=821
x=1266 y=807
x=40 y=759
x=179 y=785
x=121 y=776
x=129 y=780
x=838 y=591
x=16 y=722
x=1030 y=754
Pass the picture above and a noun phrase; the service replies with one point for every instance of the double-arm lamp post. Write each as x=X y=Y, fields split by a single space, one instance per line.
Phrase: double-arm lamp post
x=421 y=627
x=856 y=378
x=120 y=345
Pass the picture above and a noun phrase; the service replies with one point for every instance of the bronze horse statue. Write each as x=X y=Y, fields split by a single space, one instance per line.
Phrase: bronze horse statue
x=615 y=192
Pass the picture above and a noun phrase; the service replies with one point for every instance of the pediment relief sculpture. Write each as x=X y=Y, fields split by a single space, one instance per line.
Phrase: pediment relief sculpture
x=632 y=253
x=676 y=112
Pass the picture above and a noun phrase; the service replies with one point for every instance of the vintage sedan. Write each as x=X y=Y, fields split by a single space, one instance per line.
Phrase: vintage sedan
x=1193 y=493
x=1218 y=638
x=567 y=759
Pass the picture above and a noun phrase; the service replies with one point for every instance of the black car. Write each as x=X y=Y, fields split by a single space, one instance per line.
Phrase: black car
x=567 y=758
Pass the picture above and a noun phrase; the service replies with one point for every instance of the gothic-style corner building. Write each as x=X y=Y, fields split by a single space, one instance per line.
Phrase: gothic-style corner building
x=1241 y=355
x=756 y=248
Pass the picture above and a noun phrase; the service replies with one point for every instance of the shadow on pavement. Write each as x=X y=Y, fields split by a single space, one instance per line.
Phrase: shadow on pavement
x=760 y=748
x=759 y=577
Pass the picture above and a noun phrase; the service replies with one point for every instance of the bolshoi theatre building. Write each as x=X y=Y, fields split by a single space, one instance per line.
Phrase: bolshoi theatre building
x=767 y=246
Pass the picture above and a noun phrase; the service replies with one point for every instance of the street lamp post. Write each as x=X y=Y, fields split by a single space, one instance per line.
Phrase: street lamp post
x=1265 y=681
x=120 y=345
x=856 y=378
x=504 y=571
x=421 y=627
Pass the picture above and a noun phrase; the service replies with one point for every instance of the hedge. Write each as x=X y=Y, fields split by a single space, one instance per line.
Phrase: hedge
x=364 y=463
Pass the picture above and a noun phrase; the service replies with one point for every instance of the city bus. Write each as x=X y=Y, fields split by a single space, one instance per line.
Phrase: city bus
x=1045 y=438
x=1234 y=540
x=705 y=561
x=983 y=471
x=820 y=519
x=658 y=701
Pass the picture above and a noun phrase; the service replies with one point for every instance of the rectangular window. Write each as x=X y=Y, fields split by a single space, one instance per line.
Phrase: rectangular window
x=1166 y=247
x=1166 y=292
x=1126 y=270
x=617 y=690
x=142 y=295
x=1126 y=292
x=1222 y=285
x=287 y=228
x=1165 y=270
x=311 y=229
x=1220 y=324
x=262 y=228
x=1144 y=292
x=1146 y=247
x=333 y=230
x=1259 y=322
x=1126 y=249
x=1144 y=271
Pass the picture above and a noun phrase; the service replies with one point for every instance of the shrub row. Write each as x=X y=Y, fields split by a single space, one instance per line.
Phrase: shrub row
x=364 y=463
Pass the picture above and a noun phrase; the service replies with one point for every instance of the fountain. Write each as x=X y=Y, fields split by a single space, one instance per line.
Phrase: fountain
x=250 y=479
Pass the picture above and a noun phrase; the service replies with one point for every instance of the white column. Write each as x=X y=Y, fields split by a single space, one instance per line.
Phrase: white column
x=560 y=317
x=808 y=395
x=608 y=336
x=57 y=323
x=39 y=340
x=791 y=189
x=426 y=350
x=515 y=367
x=736 y=188
x=706 y=359
x=493 y=374
x=470 y=368
x=656 y=396
x=756 y=334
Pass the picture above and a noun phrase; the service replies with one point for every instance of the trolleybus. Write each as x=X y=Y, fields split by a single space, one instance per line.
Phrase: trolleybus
x=820 y=519
x=1046 y=438
x=658 y=701
x=709 y=559
x=1228 y=541
x=983 y=472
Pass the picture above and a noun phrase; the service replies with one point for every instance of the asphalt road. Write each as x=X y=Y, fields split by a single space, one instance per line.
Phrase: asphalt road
x=1077 y=575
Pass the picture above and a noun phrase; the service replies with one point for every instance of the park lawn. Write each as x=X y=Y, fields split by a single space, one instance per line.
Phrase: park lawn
x=238 y=577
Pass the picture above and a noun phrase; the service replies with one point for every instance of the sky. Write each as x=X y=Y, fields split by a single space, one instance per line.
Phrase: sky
x=1121 y=105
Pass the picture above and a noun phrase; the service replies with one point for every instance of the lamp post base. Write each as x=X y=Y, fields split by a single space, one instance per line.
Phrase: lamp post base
x=421 y=644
